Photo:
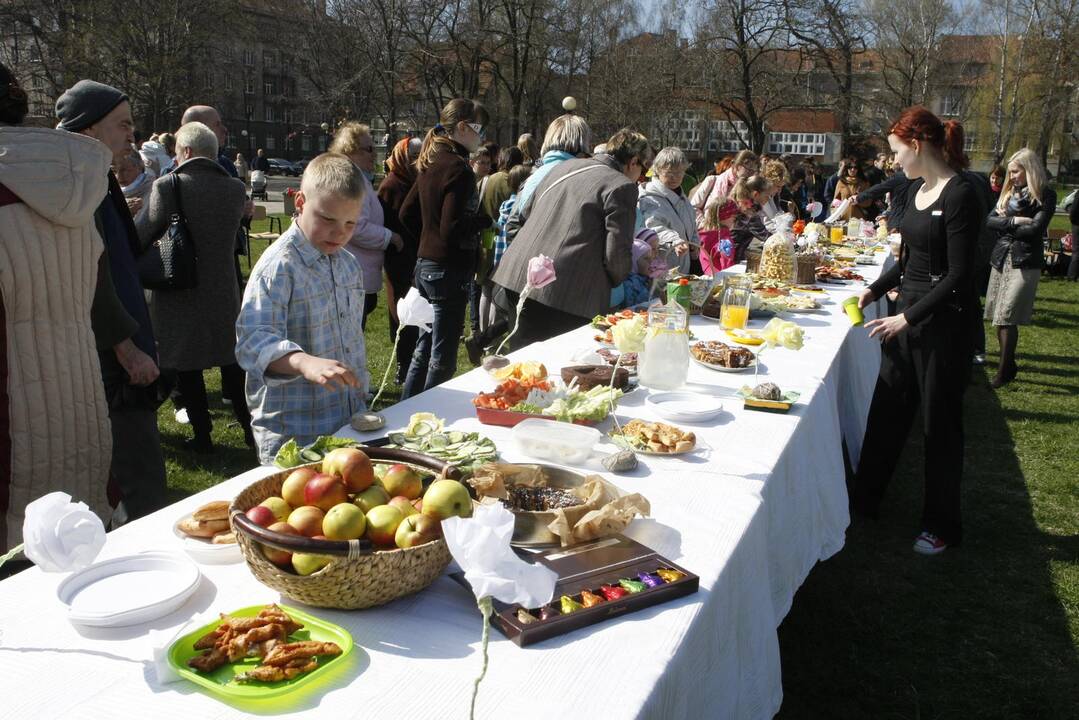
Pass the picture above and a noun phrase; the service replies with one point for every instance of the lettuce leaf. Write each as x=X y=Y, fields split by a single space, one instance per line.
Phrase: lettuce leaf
x=288 y=456
x=324 y=443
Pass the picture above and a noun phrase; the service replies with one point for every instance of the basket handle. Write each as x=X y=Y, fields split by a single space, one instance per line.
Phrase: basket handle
x=298 y=543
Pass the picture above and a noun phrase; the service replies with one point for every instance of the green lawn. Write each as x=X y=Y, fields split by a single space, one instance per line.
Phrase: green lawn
x=988 y=630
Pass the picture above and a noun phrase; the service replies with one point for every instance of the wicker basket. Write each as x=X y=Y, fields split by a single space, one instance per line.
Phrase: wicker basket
x=805 y=269
x=753 y=260
x=357 y=577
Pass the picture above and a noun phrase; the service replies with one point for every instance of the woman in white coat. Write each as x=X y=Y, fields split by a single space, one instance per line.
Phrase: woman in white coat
x=665 y=209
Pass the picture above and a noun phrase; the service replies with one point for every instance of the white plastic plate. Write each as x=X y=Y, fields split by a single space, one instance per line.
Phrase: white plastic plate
x=204 y=551
x=684 y=407
x=129 y=590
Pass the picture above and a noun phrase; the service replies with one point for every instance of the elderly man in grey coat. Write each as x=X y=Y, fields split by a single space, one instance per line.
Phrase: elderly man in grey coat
x=582 y=216
x=196 y=328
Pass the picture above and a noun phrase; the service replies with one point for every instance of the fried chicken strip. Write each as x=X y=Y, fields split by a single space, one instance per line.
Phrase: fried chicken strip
x=209 y=661
x=274 y=673
x=286 y=653
x=241 y=646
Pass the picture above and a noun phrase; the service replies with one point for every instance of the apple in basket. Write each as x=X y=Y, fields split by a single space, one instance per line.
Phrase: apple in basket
x=344 y=522
x=279 y=557
x=278 y=507
x=403 y=480
x=351 y=465
x=446 y=498
x=324 y=491
x=261 y=516
x=404 y=505
x=417 y=530
x=307 y=520
x=307 y=563
x=371 y=497
x=382 y=522
x=292 y=488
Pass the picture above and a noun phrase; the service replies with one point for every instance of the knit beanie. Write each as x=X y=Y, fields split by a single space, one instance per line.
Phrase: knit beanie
x=85 y=103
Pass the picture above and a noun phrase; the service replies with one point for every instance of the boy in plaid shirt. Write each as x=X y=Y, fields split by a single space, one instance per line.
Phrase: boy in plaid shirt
x=299 y=334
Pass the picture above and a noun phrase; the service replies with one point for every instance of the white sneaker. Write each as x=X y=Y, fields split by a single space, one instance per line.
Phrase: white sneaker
x=929 y=544
x=181 y=417
x=979 y=359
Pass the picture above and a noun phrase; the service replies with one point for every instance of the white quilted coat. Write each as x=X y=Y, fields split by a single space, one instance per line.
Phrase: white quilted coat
x=49 y=248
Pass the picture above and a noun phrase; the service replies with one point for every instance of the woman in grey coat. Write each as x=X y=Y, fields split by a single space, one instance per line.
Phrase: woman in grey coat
x=196 y=328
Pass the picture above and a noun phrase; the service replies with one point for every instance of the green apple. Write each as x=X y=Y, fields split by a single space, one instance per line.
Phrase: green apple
x=382 y=522
x=308 y=563
x=278 y=507
x=344 y=522
x=417 y=530
x=371 y=497
x=447 y=498
x=403 y=480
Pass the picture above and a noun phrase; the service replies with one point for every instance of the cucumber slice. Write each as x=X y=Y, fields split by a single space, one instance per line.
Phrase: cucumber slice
x=456 y=436
x=310 y=455
x=425 y=428
x=398 y=438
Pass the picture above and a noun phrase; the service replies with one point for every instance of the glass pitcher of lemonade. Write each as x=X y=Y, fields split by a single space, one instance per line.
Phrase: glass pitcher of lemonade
x=664 y=364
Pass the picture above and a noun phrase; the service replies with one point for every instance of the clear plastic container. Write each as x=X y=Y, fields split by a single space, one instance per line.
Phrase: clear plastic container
x=560 y=442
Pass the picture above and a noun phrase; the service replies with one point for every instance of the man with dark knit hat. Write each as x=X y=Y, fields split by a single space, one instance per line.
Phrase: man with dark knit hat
x=128 y=354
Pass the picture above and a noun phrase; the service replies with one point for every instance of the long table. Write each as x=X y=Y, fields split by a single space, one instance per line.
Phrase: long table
x=750 y=512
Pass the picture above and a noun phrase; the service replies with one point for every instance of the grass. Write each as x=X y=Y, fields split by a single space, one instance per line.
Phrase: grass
x=989 y=630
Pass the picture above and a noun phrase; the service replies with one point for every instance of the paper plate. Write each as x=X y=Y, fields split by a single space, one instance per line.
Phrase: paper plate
x=129 y=590
x=221 y=682
x=204 y=551
x=684 y=407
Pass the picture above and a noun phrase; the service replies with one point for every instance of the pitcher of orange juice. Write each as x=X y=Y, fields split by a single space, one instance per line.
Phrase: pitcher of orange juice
x=734 y=304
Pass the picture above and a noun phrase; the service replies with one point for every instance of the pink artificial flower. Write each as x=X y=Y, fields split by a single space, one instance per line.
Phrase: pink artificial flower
x=540 y=271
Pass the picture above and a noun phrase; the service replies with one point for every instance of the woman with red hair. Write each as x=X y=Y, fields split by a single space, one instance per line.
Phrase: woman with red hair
x=926 y=348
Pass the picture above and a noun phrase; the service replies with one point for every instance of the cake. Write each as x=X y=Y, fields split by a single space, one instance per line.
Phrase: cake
x=590 y=376
x=714 y=352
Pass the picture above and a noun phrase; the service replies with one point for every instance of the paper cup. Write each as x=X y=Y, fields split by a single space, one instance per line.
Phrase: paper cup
x=850 y=306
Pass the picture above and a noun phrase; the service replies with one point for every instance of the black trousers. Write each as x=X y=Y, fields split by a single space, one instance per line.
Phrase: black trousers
x=138 y=467
x=926 y=367
x=370 y=302
x=400 y=276
x=541 y=322
x=193 y=389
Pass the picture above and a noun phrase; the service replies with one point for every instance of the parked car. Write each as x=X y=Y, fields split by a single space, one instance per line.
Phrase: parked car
x=279 y=166
x=301 y=165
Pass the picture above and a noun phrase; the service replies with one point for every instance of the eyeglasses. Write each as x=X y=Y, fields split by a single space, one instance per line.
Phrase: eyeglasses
x=476 y=128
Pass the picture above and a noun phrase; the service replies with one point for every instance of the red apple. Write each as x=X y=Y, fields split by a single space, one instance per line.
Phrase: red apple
x=307 y=519
x=417 y=530
x=403 y=504
x=403 y=480
x=324 y=491
x=261 y=516
x=350 y=465
x=278 y=507
x=279 y=557
x=292 y=488
x=382 y=522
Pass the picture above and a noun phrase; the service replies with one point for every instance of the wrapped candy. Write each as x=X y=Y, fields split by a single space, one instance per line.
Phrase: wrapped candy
x=570 y=605
x=547 y=612
x=524 y=617
x=649 y=579
x=590 y=599
x=612 y=592
x=632 y=586
x=670 y=575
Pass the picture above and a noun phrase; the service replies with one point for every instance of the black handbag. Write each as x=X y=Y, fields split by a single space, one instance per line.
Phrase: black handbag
x=171 y=263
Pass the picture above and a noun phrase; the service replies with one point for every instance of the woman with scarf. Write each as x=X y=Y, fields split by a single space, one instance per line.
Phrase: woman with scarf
x=371 y=238
x=1019 y=220
x=400 y=264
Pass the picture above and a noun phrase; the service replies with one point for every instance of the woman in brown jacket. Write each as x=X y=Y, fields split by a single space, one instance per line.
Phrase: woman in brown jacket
x=441 y=210
x=400 y=264
x=851 y=182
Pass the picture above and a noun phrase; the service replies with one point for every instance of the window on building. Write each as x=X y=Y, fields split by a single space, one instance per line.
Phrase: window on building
x=267 y=58
x=268 y=113
x=796 y=143
x=249 y=57
x=271 y=142
x=249 y=85
x=726 y=136
x=269 y=86
x=970 y=142
x=951 y=103
x=208 y=80
x=228 y=81
x=305 y=142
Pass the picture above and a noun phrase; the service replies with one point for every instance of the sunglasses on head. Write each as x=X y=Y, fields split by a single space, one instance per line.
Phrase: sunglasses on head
x=476 y=128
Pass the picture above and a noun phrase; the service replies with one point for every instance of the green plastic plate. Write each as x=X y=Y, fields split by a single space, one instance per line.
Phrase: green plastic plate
x=221 y=680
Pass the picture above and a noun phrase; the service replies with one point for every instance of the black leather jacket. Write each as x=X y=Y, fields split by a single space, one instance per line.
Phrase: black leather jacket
x=1024 y=241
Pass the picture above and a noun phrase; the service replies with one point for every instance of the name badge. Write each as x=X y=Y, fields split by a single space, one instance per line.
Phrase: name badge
x=938 y=213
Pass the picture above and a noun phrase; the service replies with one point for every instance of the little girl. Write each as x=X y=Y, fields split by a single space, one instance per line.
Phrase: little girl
x=717 y=250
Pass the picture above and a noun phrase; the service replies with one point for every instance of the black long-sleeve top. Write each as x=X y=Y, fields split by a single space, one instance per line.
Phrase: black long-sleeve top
x=897 y=185
x=940 y=240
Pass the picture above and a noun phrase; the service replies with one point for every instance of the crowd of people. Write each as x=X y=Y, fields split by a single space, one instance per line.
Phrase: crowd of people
x=457 y=218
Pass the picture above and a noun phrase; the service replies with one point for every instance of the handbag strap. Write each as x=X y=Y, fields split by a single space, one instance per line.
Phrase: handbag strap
x=174 y=182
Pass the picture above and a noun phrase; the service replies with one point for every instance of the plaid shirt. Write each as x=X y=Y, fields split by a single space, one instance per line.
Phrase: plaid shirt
x=501 y=243
x=298 y=299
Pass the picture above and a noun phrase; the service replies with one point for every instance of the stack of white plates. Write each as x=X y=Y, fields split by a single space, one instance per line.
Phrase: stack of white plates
x=684 y=406
x=129 y=590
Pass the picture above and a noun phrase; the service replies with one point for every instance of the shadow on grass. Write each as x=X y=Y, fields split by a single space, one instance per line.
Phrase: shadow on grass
x=976 y=632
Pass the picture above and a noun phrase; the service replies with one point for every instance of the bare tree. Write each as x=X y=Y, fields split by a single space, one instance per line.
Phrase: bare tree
x=908 y=39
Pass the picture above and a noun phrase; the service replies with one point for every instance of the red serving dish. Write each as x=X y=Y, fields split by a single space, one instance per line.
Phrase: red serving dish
x=508 y=418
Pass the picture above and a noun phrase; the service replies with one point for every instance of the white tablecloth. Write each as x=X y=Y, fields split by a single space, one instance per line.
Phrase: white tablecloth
x=751 y=513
